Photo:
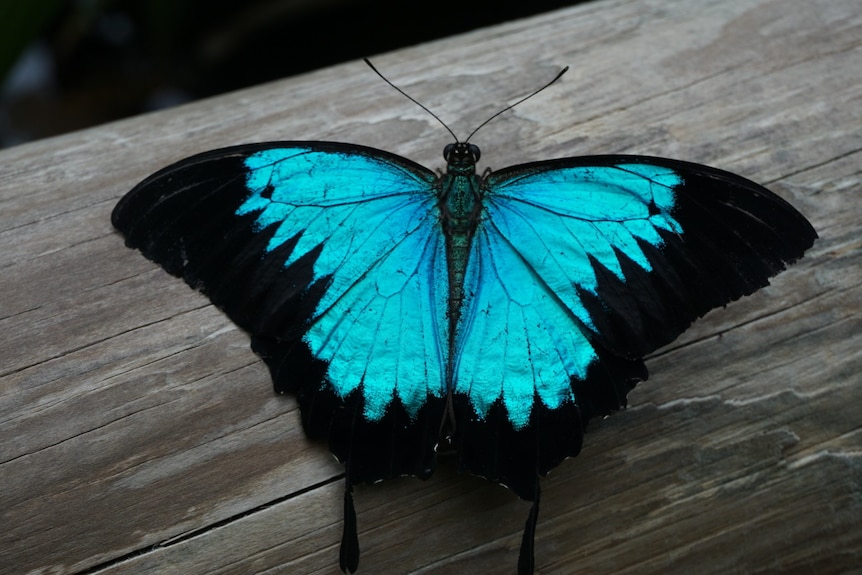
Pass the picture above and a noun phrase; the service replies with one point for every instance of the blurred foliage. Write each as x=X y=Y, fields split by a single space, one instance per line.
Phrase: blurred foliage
x=20 y=22
x=115 y=58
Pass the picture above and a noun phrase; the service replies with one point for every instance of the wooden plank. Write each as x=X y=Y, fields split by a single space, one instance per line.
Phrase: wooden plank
x=138 y=433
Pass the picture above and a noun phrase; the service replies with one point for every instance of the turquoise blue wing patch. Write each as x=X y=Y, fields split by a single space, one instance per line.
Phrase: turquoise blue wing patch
x=525 y=332
x=373 y=225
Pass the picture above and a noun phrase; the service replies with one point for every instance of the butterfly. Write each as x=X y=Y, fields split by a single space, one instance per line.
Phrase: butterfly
x=495 y=314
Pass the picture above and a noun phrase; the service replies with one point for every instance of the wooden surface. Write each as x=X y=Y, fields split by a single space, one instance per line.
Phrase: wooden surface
x=139 y=434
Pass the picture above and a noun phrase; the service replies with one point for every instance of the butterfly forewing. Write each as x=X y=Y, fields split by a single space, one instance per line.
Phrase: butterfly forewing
x=633 y=235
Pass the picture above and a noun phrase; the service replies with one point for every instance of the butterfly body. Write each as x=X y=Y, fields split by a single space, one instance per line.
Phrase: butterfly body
x=497 y=312
x=460 y=205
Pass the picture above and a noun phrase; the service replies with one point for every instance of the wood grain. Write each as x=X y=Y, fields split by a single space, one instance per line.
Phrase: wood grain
x=139 y=434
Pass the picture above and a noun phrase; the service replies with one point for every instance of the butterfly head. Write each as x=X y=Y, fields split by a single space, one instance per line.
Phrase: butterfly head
x=461 y=157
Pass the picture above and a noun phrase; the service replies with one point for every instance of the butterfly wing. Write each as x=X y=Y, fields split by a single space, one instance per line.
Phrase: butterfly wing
x=581 y=266
x=330 y=256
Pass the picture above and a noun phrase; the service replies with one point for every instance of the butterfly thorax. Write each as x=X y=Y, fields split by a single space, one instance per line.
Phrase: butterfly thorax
x=459 y=191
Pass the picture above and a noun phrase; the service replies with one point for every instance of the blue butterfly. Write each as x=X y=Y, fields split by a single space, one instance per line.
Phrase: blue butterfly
x=493 y=313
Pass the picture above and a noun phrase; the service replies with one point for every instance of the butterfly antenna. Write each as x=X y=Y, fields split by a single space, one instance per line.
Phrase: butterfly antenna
x=411 y=98
x=510 y=106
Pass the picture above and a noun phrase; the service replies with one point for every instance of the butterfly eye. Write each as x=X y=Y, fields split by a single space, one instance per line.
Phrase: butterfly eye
x=447 y=151
x=474 y=151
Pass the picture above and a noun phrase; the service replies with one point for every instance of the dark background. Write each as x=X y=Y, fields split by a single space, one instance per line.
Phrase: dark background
x=69 y=64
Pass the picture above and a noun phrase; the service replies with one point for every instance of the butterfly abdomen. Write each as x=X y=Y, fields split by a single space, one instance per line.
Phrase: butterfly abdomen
x=460 y=208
